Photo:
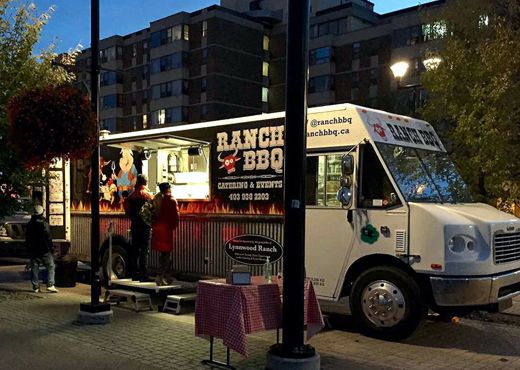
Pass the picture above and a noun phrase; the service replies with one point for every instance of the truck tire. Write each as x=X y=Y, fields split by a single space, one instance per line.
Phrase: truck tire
x=119 y=263
x=386 y=303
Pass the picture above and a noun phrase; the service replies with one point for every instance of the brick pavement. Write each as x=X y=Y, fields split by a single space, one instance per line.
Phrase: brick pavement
x=153 y=340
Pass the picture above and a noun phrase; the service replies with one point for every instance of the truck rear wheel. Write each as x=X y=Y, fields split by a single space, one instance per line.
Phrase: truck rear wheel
x=119 y=263
x=386 y=303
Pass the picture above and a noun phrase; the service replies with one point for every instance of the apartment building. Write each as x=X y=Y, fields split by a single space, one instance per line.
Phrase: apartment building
x=229 y=60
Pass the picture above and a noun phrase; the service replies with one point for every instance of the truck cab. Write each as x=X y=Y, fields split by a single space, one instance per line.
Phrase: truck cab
x=391 y=225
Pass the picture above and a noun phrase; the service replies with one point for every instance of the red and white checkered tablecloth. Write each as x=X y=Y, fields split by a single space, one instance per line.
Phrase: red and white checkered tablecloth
x=230 y=312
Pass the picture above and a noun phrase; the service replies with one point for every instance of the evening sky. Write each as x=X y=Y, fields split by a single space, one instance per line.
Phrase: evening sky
x=70 y=22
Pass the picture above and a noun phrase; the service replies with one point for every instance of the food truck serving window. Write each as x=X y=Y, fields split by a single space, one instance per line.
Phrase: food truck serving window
x=424 y=175
x=186 y=168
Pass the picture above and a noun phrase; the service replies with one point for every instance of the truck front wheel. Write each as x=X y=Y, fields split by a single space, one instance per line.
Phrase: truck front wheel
x=386 y=303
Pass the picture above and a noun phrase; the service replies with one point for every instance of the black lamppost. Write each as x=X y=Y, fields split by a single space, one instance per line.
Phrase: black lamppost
x=94 y=312
x=400 y=69
x=293 y=353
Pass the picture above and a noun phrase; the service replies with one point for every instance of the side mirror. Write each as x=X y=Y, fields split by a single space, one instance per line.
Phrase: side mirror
x=345 y=181
x=347 y=165
x=344 y=196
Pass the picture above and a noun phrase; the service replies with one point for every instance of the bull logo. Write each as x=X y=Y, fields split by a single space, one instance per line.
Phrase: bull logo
x=229 y=162
x=378 y=129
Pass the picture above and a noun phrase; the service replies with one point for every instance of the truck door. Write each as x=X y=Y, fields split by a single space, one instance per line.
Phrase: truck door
x=380 y=218
x=328 y=234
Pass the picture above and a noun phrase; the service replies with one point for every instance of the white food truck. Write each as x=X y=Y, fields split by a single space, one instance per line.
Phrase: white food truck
x=391 y=229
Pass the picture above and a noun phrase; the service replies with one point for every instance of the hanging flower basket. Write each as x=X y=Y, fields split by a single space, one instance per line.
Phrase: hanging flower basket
x=55 y=121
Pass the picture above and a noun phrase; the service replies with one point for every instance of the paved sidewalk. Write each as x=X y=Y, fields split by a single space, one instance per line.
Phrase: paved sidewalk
x=39 y=331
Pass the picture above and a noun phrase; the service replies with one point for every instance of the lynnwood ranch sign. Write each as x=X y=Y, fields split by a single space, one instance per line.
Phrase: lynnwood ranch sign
x=252 y=249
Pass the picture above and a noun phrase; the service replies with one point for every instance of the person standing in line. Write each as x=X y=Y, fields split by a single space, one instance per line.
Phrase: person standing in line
x=165 y=222
x=140 y=231
x=38 y=240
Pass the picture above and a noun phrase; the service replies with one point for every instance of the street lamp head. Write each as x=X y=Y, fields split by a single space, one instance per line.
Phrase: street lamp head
x=432 y=63
x=399 y=69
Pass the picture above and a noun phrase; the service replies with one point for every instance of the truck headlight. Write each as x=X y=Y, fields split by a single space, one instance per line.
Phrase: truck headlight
x=3 y=231
x=461 y=243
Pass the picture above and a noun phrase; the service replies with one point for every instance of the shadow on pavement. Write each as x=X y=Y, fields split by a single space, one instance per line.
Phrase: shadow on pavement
x=465 y=336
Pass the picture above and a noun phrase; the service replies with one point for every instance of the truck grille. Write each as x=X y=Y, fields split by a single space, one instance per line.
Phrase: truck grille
x=507 y=247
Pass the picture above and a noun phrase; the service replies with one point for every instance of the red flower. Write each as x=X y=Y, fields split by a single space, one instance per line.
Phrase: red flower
x=51 y=122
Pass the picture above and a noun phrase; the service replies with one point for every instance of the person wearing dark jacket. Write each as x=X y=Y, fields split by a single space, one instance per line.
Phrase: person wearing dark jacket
x=38 y=240
x=140 y=231
x=166 y=221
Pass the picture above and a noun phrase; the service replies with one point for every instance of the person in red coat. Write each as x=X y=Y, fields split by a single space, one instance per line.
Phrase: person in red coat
x=165 y=222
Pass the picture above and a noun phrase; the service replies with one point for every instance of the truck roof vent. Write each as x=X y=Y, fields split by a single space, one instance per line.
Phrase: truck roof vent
x=400 y=241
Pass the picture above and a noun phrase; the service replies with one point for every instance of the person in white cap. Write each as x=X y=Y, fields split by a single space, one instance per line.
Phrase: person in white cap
x=38 y=240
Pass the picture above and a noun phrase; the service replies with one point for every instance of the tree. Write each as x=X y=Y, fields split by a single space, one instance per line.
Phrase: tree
x=20 y=70
x=474 y=94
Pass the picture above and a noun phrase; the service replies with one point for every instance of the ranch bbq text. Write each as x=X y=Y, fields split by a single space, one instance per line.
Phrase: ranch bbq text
x=262 y=147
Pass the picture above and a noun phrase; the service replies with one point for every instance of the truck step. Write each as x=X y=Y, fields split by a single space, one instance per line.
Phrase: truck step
x=173 y=302
x=137 y=297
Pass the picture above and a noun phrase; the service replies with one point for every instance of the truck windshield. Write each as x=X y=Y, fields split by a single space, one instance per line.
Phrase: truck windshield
x=424 y=175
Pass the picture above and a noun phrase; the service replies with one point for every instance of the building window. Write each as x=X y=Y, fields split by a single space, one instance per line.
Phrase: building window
x=204 y=112
x=354 y=80
x=170 y=34
x=356 y=50
x=343 y=26
x=320 y=84
x=334 y=27
x=265 y=94
x=169 y=115
x=313 y=31
x=178 y=114
x=110 y=101
x=145 y=121
x=323 y=29
x=265 y=69
x=320 y=56
x=168 y=62
x=204 y=54
x=407 y=36
x=107 y=55
x=171 y=88
x=204 y=28
x=203 y=84
x=109 y=124
x=158 y=117
x=374 y=76
x=134 y=50
x=110 y=78
x=266 y=43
